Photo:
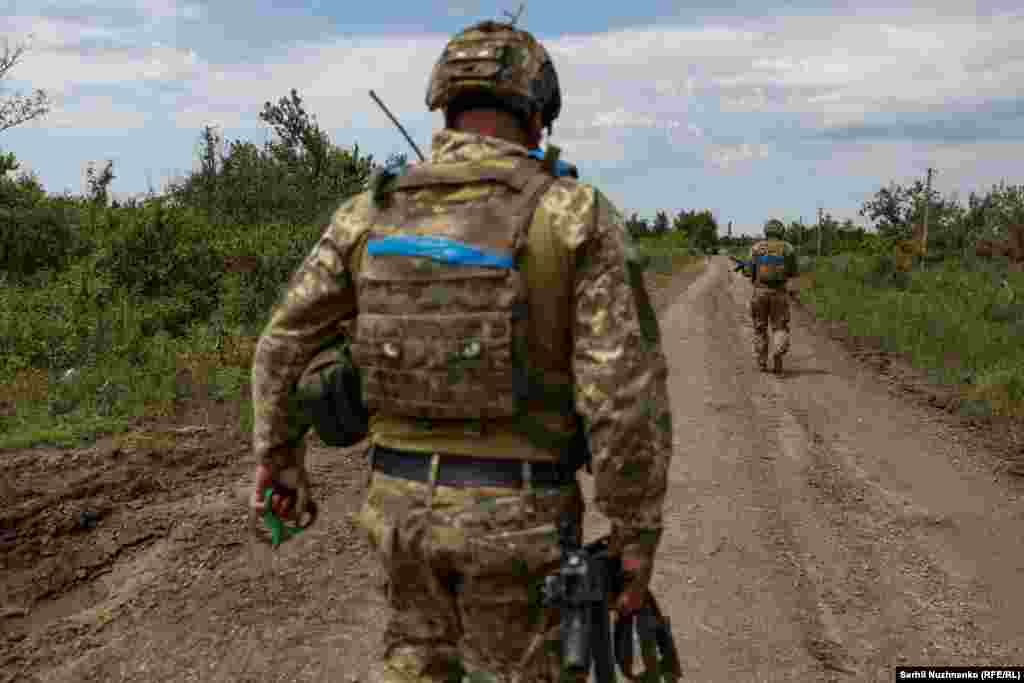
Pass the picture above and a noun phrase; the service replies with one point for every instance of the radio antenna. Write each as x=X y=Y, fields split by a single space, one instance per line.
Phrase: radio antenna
x=513 y=18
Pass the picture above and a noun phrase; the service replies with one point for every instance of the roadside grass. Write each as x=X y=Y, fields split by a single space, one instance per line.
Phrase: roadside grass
x=667 y=254
x=155 y=311
x=961 y=321
x=113 y=395
x=115 y=375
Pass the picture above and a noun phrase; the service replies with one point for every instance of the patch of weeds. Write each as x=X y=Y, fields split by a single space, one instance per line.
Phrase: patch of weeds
x=900 y=280
x=227 y=383
x=660 y=263
x=976 y=408
x=840 y=263
x=1005 y=312
x=246 y=417
x=958 y=325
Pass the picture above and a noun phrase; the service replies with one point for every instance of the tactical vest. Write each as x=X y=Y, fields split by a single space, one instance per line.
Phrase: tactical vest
x=770 y=263
x=442 y=323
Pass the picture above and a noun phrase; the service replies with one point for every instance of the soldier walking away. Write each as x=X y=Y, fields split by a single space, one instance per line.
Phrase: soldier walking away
x=503 y=337
x=772 y=262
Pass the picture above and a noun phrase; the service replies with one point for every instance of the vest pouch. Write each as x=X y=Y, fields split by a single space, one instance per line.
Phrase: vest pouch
x=441 y=366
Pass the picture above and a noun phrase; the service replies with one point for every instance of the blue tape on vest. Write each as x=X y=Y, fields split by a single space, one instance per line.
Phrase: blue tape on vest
x=769 y=260
x=562 y=168
x=438 y=249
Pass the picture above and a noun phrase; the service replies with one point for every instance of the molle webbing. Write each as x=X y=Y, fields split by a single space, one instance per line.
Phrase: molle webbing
x=442 y=303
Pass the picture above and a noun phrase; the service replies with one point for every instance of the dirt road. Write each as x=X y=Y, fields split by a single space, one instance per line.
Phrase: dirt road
x=821 y=528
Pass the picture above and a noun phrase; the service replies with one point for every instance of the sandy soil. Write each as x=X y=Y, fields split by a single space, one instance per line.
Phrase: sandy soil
x=823 y=525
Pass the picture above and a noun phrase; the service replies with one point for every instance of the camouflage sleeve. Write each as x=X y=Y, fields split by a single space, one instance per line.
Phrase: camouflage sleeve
x=318 y=297
x=621 y=381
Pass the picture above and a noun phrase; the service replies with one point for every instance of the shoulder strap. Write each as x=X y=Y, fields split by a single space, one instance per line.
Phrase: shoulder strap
x=513 y=173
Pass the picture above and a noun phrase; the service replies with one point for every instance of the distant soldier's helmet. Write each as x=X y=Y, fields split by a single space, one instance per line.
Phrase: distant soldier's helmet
x=773 y=231
x=494 y=64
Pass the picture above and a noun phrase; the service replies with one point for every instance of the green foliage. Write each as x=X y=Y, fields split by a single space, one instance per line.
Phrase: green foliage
x=664 y=254
x=701 y=228
x=697 y=229
x=36 y=233
x=18 y=109
x=961 y=321
x=953 y=228
x=128 y=296
x=295 y=178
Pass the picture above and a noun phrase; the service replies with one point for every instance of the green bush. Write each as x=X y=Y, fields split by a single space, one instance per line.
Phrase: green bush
x=960 y=324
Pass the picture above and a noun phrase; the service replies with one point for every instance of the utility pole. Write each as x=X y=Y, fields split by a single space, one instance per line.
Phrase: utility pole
x=927 y=204
x=730 y=230
x=819 y=229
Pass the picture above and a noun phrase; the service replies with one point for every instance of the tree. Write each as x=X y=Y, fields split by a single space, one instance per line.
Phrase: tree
x=701 y=228
x=99 y=182
x=18 y=109
x=661 y=223
x=298 y=177
x=636 y=226
x=300 y=138
x=796 y=233
x=897 y=210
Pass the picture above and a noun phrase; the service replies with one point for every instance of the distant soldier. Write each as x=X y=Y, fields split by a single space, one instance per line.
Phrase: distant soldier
x=772 y=263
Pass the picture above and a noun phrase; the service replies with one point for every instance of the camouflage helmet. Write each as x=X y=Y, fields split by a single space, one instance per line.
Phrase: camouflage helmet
x=774 y=230
x=498 y=63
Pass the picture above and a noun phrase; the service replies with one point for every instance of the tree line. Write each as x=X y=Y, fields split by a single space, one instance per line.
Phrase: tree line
x=698 y=229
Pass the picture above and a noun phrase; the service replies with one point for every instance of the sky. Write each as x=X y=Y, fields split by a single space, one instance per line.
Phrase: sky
x=764 y=110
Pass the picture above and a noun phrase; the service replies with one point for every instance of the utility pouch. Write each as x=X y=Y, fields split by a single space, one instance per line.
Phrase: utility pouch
x=329 y=393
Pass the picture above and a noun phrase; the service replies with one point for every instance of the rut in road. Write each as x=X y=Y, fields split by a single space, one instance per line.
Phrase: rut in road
x=818 y=527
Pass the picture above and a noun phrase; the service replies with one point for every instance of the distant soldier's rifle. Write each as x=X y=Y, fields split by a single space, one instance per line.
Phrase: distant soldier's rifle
x=742 y=265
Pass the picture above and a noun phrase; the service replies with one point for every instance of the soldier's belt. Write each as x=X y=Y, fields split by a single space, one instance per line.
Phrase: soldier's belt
x=464 y=471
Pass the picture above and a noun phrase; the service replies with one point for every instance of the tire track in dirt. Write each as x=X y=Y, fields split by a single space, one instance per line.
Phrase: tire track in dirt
x=734 y=601
x=819 y=528
x=889 y=520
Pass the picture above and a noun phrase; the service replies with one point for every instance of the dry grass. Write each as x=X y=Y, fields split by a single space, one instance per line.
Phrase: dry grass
x=997 y=396
x=29 y=385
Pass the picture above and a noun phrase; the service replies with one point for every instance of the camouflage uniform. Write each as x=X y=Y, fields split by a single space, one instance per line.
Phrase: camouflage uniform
x=464 y=563
x=769 y=304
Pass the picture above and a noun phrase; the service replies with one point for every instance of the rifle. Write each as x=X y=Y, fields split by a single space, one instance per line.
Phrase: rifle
x=587 y=581
x=742 y=265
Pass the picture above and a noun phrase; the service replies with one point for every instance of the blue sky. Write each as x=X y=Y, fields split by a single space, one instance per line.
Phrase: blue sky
x=765 y=109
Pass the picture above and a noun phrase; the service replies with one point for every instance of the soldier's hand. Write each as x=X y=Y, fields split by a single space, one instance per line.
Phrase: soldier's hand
x=637 y=565
x=284 y=506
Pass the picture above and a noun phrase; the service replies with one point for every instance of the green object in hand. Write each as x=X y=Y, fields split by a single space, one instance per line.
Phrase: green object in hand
x=279 y=531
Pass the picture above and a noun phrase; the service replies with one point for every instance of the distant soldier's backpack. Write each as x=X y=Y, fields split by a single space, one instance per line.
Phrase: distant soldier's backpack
x=770 y=263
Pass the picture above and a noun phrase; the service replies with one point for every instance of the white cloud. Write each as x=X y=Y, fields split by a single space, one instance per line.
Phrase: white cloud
x=93 y=113
x=752 y=100
x=835 y=68
x=689 y=86
x=727 y=157
x=960 y=167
